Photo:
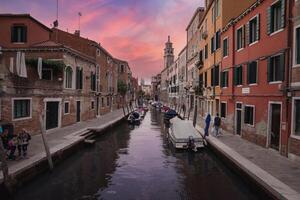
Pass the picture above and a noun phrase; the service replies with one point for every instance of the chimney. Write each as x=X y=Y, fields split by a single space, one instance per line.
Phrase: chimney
x=77 y=33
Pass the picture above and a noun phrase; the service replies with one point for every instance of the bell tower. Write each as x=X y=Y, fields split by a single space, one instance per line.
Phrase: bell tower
x=169 y=54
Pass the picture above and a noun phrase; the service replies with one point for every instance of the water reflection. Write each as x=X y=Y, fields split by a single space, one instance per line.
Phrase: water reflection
x=137 y=163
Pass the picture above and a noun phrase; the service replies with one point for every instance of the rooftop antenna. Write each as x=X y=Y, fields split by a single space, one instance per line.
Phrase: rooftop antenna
x=55 y=23
x=79 y=15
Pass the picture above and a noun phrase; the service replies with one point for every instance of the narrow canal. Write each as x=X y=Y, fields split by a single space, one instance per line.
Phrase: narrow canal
x=137 y=164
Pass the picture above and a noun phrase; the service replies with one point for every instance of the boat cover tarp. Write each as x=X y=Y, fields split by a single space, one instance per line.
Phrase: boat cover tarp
x=182 y=129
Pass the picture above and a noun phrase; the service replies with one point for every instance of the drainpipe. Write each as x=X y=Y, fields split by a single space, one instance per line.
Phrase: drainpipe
x=232 y=71
x=288 y=75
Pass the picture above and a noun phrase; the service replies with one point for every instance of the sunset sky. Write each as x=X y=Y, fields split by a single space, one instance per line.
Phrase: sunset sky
x=132 y=30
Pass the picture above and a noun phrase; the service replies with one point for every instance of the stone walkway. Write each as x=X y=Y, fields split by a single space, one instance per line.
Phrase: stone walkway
x=277 y=173
x=59 y=139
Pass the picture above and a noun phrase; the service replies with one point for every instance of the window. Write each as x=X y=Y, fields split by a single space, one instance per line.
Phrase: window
x=213 y=13
x=296 y=117
x=79 y=78
x=254 y=30
x=93 y=81
x=18 y=34
x=205 y=79
x=212 y=45
x=276 y=66
x=225 y=47
x=47 y=74
x=297 y=46
x=276 y=16
x=201 y=56
x=92 y=105
x=217 y=8
x=107 y=101
x=68 y=77
x=98 y=52
x=224 y=79
x=21 y=108
x=252 y=73
x=215 y=76
x=223 y=109
x=249 y=115
x=102 y=102
x=206 y=51
x=122 y=69
x=67 y=107
x=218 y=39
x=240 y=38
x=238 y=75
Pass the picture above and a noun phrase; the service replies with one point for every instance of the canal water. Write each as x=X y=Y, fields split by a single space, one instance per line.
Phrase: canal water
x=137 y=163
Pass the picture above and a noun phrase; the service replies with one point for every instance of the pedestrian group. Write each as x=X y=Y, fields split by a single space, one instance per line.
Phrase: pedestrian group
x=13 y=142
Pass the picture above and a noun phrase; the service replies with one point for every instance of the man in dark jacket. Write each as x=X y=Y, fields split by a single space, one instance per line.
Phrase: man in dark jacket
x=217 y=124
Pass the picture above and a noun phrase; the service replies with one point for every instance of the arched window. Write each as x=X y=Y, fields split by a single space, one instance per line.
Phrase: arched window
x=68 y=77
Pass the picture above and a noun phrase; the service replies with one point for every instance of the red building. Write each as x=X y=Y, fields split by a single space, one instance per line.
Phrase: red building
x=255 y=74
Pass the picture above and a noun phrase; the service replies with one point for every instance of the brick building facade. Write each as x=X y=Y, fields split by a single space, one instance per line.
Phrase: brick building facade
x=255 y=78
x=66 y=77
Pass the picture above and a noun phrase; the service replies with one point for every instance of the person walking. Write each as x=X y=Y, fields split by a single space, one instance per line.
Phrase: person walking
x=207 y=124
x=217 y=124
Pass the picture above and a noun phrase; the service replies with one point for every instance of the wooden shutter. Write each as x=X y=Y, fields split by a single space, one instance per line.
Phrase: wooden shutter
x=282 y=14
x=269 y=21
x=269 y=69
x=12 y=34
x=282 y=67
x=25 y=34
x=247 y=34
x=258 y=27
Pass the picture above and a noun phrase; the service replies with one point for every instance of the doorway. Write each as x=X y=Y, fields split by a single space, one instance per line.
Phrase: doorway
x=97 y=106
x=238 y=122
x=52 y=114
x=78 y=111
x=274 y=125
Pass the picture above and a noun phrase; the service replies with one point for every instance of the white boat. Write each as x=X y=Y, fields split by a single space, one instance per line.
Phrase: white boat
x=183 y=135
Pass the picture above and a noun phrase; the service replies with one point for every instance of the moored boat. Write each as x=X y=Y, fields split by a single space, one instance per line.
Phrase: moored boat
x=183 y=135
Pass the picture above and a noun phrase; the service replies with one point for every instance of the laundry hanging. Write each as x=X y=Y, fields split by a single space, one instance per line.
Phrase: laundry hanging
x=40 y=67
x=18 y=63
x=23 y=70
x=11 y=65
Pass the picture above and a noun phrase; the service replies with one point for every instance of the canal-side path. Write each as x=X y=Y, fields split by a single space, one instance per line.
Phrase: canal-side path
x=277 y=174
x=60 y=140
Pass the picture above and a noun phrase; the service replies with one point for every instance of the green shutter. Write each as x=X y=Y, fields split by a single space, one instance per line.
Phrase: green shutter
x=241 y=75
x=269 y=21
x=269 y=70
x=247 y=27
x=282 y=13
x=248 y=73
x=258 y=27
x=243 y=36
x=235 y=75
x=282 y=66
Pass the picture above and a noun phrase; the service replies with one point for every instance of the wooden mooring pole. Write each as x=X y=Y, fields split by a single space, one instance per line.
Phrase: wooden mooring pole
x=4 y=167
x=48 y=154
